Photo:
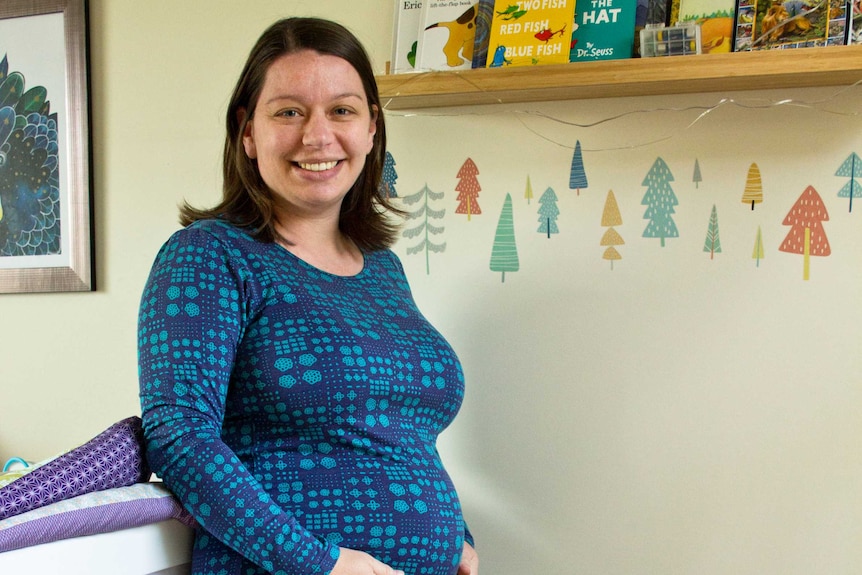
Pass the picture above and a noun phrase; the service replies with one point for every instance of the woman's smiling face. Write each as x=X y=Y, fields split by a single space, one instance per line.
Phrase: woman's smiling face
x=310 y=133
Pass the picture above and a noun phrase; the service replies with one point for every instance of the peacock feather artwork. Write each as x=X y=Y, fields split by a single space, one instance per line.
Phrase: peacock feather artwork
x=29 y=169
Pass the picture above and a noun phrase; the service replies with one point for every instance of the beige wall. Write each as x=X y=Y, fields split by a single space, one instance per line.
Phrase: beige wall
x=677 y=415
x=161 y=72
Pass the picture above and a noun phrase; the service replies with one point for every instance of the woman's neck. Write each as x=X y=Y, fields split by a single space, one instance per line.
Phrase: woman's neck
x=322 y=245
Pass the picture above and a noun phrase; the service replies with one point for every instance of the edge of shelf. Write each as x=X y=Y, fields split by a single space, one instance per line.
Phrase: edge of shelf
x=801 y=67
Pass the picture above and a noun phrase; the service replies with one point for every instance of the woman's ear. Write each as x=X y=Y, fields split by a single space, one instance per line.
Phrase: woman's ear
x=372 y=129
x=247 y=133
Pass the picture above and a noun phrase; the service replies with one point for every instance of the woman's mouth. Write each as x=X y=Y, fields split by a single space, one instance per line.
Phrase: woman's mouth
x=317 y=166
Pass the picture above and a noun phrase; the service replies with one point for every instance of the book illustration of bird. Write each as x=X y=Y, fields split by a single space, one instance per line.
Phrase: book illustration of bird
x=462 y=33
x=511 y=12
x=546 y=35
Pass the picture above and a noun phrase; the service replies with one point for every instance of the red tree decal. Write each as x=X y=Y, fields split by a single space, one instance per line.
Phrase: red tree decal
x=806 y=236
x=468 y=189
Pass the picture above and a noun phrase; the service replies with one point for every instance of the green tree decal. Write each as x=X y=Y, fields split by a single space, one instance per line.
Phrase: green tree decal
x=660 y=200
x=387 y=181
x=504 y=253
x=758 y=253
x=696 y=177
x=577 y=176
x=548 y=213
x=424 y=228
x=712 y=244
x=851 y=168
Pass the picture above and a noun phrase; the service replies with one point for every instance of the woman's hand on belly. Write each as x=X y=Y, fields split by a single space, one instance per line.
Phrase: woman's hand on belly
x=351 y=562
x=469 y=564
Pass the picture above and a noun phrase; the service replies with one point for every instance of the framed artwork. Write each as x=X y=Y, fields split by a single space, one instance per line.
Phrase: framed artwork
x=46 y=229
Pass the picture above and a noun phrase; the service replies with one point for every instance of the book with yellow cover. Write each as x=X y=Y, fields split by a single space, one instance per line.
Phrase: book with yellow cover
x=447 y=34
x=530 y=32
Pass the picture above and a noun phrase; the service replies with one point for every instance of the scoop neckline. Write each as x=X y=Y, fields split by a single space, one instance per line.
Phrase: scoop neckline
x=316 y=269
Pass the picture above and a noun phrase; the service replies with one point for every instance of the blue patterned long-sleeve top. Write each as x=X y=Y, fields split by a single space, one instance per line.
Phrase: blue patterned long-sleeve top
x=293 y=411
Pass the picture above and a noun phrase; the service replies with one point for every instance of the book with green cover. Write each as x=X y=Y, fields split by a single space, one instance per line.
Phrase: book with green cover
x=530 y=32
x=605 y=30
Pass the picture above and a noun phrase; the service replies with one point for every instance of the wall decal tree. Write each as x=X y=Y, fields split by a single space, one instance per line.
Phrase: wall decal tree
x=660 y=201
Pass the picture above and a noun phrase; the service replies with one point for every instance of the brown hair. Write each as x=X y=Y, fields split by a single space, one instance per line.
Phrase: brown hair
x=246 y=200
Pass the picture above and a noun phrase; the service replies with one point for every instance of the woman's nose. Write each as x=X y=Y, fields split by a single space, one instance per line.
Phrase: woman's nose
x=317 y=132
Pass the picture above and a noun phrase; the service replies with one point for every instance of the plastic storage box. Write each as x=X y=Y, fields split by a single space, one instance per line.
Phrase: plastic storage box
x=679 y=40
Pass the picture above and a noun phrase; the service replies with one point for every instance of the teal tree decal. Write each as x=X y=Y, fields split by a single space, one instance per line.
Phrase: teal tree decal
x=712 y=244
x=851 y=168
x=548 y=213
x=423 y=214
x=387 y=181
x=504 y=253
x=577 y=175
x=29 y=169
x=696 y=177
x=660 y=200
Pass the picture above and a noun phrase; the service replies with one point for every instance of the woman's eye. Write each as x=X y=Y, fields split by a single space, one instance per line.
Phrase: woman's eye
x=343 y=111
x=288 y=113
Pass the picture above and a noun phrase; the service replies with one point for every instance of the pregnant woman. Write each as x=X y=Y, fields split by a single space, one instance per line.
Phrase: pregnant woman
x=292 y=393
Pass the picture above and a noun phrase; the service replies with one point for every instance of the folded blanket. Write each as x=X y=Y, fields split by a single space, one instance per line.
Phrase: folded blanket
x=114 y=458
x=91 y=514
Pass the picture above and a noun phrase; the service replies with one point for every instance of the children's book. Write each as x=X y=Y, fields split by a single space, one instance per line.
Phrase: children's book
x=604 y=30
x=854 y=20
x=484 y=15
x=405 y=36
x=649 y=12
x=715 y=18
x=771 y=24
x=447 y=34
x=530 y=32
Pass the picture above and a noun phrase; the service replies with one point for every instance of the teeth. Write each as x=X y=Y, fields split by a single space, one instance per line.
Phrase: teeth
x=317 y=167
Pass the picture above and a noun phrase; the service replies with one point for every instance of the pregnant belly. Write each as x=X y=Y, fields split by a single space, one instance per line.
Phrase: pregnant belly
x=408 y=517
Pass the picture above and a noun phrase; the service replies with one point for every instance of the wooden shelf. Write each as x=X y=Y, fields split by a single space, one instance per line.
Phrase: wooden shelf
x=761 y=70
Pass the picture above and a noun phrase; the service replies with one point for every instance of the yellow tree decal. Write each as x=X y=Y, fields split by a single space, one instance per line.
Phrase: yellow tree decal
x=611 y=217
x=753 y=193
x=807 y=236
x=758 y=253
x=528 y=192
